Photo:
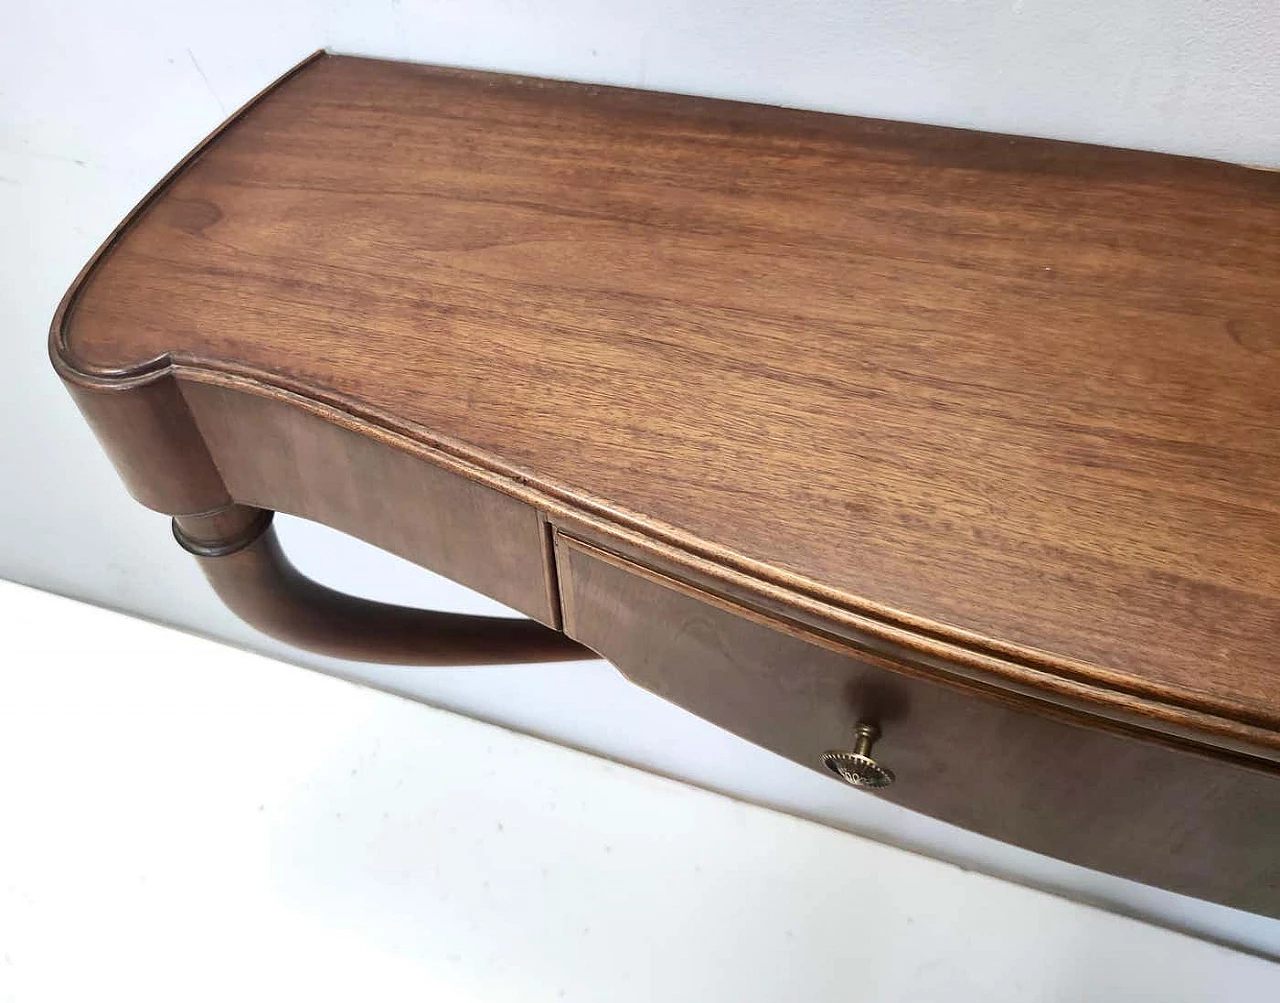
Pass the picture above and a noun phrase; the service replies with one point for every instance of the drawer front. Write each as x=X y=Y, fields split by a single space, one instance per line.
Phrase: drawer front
x=1003 y=767
x=277 y=456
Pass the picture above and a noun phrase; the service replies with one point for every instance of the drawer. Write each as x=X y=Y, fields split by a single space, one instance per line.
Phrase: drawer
x=281 y=456
x=1025 y=773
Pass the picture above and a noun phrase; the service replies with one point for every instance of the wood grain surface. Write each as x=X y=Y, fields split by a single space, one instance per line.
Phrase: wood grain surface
x=282 y=458
x=985 y=762
x=1016 y=396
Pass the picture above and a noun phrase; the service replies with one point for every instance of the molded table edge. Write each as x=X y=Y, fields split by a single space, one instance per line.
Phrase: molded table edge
x=1213 y=726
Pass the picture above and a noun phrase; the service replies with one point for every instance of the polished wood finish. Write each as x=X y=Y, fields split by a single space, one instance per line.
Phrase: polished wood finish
x=146 y=428
x=987 y=762
x=249 y=571
x=1016 y=395
x=278 y=455
x=987 y=417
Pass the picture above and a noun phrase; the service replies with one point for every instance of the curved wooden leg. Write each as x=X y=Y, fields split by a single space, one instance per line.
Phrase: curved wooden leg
x=241 y=557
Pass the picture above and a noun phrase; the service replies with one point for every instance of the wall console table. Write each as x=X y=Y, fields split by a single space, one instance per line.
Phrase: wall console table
x=941 y=461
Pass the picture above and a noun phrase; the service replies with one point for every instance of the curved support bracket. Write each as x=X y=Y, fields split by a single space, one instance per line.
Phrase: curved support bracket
x=241 y=557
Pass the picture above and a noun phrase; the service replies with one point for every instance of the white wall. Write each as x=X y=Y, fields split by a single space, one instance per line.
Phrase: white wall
x=98 y=100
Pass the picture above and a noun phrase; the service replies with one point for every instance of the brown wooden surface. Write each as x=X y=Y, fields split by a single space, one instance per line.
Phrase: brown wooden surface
x=276 y=456
x=146 y=429
x=1014 y=398
x=906 y=652
x=987 y=763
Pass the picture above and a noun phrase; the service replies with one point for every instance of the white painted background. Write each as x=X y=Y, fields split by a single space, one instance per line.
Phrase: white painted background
x=97 y=100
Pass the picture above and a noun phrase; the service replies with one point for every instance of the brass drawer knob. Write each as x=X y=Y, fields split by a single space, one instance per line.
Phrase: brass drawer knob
x=857 y=767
